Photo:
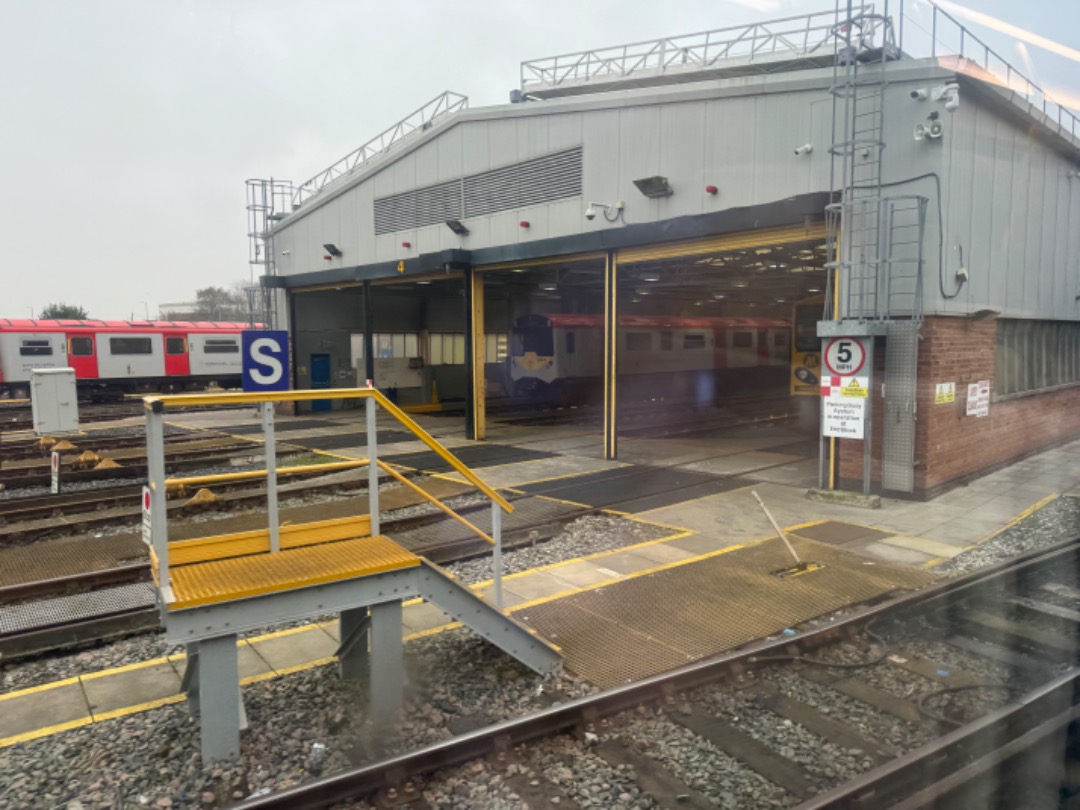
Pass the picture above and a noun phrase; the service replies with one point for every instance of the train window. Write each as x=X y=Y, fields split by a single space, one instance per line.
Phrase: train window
x=762 y=338
x=82 y=347
x=693 y=341
x=638 y=341
x=219 y=346
x=779 y=339
x=571 y=340
x=175 y=345
x=667 y=343
x=130 y=345
x=538 y=339
x=742 y=340
x=35 y=348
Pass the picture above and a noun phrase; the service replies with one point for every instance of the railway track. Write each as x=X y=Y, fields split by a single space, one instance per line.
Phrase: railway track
x=968 y=745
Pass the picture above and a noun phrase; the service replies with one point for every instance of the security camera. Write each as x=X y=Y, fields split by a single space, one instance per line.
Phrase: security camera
x=805 y=149
x=922 y=94
x=284 y=253
x=961 y=274
x=953 y=103
x=590 y=213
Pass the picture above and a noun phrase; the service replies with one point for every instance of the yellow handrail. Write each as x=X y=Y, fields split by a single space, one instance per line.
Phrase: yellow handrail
x=247 y=475
x=239 y=398
x=433 y=499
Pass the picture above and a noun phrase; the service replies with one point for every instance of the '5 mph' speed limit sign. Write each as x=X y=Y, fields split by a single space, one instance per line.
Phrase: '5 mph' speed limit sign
x=845 y=356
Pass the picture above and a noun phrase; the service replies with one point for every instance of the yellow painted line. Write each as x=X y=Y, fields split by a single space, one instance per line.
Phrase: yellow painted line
x=44 y=732
x=45 y=687
x=318 y=662
x=634 y=575
x=810 y=523
x=139 y=707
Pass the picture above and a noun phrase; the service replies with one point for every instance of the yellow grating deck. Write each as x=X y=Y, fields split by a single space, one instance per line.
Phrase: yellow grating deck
x=238 y=544
x=225 y=580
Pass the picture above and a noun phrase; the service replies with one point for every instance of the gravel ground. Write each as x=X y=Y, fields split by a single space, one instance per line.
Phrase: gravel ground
x=151 y=759
x=586 y=535
x=867 y=721
x=702 y=766
x=1055 y=523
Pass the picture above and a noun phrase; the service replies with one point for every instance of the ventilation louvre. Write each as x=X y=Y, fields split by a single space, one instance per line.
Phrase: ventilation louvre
x=532 y=182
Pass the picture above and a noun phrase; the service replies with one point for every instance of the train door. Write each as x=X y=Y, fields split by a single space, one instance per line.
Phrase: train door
x=320 y=378
x=177 y=361
x=82 y=355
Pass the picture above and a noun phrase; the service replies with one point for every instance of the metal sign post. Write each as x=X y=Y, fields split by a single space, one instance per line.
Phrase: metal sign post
x=846 y=401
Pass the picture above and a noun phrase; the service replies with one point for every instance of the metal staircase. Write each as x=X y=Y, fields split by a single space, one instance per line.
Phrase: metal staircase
x=875 y=240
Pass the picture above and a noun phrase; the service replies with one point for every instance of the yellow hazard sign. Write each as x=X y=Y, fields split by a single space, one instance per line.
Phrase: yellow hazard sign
x=856 y=387
x=944 y=393
x=401 y=266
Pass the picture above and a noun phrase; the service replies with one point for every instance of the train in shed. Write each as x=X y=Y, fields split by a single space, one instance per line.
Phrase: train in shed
x=560 y=357
x=113 y=358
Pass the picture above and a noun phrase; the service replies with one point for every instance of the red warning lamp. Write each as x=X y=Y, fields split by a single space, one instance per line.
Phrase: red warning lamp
x=524 y=223
x=711 y=189
x=328 y=257
x=406 y=244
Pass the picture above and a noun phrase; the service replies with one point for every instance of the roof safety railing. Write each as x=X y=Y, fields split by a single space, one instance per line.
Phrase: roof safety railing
x=159 y=486
x=790 y=37
x=419 y=120
x=944 y=36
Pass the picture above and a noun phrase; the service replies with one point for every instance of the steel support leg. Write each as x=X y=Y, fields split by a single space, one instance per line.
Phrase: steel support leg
x=387 y=660
x=354 y=627
x=221 y=714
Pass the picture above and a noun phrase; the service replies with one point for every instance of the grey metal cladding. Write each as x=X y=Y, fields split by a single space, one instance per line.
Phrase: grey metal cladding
x=419 y=207
x=531 y=182
x=540 y=180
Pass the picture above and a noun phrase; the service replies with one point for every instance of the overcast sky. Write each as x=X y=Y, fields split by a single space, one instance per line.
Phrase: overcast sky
x=128 y=127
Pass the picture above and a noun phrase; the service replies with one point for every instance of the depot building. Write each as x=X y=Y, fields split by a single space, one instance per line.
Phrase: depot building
x=661 y=247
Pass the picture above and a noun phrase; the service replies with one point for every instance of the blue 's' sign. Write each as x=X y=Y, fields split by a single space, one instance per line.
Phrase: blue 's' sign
x=266 y=360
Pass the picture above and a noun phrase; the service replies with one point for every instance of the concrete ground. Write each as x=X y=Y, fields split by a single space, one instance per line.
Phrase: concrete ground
x=767 y=460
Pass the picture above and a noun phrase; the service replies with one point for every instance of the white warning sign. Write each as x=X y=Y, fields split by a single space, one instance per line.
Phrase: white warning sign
x=147 y=531
x=978 y=398
x=54 y=469
x=844 y=417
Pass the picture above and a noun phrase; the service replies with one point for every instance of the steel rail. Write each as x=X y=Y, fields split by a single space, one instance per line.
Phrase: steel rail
x=584 y=713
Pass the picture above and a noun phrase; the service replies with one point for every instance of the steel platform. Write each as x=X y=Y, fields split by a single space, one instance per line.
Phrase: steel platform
x=684 y=612
x=480 y=455
x=222 y=581
x=635 y=488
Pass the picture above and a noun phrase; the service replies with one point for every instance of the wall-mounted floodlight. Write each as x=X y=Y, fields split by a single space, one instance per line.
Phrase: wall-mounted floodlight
x=332 y=249
x=457 y=226
x=805 y=149
x=984 y=314
x=655 y=186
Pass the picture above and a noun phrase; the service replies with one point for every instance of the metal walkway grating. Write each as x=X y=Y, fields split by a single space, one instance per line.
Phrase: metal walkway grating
x=646 y=625
x=78 y=607
x=67 y=556
x=480 y=455
x=527 y=512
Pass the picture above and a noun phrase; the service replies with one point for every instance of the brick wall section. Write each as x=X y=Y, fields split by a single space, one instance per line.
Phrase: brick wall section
x=951 y=447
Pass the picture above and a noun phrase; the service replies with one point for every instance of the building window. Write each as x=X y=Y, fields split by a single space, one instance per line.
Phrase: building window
x=35 y=348
x=496 y=346
x=130 y=345
x=218 y=346
x=693 y=341
x=447 y=348
x=667 y=343
x=175 y=345
x=638 y=341
x=1033 y=355
x=82 y=347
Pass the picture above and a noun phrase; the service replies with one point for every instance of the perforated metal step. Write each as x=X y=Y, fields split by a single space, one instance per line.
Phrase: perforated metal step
x=78 y=607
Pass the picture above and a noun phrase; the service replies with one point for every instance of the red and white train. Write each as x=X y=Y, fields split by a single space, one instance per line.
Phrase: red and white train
x=561 y=357
x=112 y=358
